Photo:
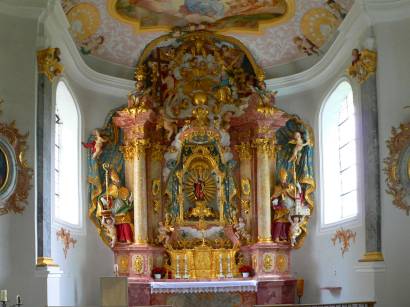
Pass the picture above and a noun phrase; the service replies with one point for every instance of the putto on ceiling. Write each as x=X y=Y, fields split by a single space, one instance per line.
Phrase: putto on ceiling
x=221 y=15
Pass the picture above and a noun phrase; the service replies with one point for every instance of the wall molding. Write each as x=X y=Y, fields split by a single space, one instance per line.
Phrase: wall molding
x=362 y=16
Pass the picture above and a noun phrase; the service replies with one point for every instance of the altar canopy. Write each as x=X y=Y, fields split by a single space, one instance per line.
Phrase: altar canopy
x=199 y=173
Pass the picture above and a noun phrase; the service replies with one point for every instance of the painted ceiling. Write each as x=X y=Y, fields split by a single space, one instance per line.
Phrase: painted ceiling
x=275 y=31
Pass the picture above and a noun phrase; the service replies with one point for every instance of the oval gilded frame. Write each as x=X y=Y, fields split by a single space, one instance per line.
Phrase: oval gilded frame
x=397 y=167
x=15 y=189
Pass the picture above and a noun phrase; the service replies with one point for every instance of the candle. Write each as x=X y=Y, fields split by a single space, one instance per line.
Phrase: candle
x=18 y=300
x=116 y=270
x=3 y=295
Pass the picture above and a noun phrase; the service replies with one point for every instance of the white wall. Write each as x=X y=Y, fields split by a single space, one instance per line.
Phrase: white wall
x=393 y=40
x=319 y=262
x=90 y=259
x=18 y=88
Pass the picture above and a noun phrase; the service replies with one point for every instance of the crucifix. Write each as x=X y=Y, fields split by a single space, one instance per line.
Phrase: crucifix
x=156 y=65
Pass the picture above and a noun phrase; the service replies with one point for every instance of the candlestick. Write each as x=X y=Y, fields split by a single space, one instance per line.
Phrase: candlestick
x=186 y=275
x=177 y=276
x=229 y=274
x=3 y=296
x=116 y=270
x=18 y=300
x=221 y=275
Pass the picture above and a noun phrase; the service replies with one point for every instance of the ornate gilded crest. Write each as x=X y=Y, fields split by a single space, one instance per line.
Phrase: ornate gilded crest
x=364 y=64
x=15 y=174
x=48 y=61
x=397 y=166
x=65 y=236
x=344 y=236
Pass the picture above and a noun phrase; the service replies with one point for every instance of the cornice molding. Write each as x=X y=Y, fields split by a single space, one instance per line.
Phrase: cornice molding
x=387 y=10
x=23 y=10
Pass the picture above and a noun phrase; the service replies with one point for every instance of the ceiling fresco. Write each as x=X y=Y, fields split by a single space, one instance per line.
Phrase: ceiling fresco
x=275 y=31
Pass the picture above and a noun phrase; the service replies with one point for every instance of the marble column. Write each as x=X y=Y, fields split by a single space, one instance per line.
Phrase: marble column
x=371 y=169
x=129 y=173
x=140 y=192
x=245 y=169
x=263 y=190
x=44 y=148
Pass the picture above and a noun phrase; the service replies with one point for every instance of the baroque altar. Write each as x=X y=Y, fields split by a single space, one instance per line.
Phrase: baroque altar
x=200 y=174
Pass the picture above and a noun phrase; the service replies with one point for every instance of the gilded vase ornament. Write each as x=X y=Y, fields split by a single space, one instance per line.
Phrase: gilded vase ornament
x=344 y=236
x=48 y=62
x=65 y=236
x=364 y=65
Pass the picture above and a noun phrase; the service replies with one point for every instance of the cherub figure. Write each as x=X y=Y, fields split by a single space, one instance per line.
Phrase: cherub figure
x=298 y=142
x=295 y=230
x=97 y=145
x=305 y=45
x=226 y=120
x=170 y=125
x=164 y=234
x=337 y=8
x=108 y=224
x=240 y=231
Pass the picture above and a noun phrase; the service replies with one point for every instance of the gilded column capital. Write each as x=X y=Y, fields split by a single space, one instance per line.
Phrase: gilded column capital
x=244 y=151
x=48 y=62
x=135 y=149
x=262 y=145
x=157 y=151
x=140 y=147
x=364 y=65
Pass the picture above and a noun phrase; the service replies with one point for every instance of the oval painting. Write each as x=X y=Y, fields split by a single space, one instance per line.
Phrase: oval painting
x=4 y=170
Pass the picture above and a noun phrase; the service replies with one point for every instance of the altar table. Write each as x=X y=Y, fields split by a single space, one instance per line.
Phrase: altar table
x=204 y=286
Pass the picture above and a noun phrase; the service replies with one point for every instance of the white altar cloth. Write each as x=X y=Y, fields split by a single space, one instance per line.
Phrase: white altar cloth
x=204 y=286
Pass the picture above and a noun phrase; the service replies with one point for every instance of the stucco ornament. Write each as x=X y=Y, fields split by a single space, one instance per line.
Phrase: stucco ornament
x=397 y=167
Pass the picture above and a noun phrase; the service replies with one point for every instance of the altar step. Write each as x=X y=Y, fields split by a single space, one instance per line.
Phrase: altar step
x=350 y=304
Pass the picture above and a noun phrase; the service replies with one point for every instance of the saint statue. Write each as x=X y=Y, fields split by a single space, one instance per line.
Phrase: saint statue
x=199 y=190
x=283 y=201
x=118 y=200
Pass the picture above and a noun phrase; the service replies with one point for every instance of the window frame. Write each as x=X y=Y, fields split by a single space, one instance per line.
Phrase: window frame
x=357 y=220
x=56 y=222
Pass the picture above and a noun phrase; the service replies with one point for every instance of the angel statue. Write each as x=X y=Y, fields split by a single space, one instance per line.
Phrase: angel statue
x=164 y=234
x=295 y=229
x=240 y=231
x=97 y=145
x=297 y=149
x=108 y=225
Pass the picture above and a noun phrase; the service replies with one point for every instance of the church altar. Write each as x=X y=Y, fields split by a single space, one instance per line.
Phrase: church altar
x=200 y=176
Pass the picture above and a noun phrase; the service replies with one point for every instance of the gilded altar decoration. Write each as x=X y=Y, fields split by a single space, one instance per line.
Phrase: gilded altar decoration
x=65 y=236
x=267 y=262
x=364 y=64
x=48 y=62
x=344 y=236
x=123 y=264
x=138 y=264
x=174 y=173
x=281 y=263
x=397 y=166
x=15 y=174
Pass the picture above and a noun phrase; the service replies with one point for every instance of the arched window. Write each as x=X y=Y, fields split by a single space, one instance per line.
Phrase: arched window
x=67 y=205
x=339 y=156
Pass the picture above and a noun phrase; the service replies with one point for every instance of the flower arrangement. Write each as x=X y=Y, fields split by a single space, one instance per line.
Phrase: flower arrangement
x=158 y=272
x=245 y=269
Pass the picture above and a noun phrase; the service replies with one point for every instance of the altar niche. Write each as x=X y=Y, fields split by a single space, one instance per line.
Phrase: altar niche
x=200 y=173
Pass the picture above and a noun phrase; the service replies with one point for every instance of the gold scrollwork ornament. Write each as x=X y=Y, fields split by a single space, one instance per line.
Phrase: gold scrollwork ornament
x=48 y=61
x=138 y=264
x=17 y=182
x=397 y=145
